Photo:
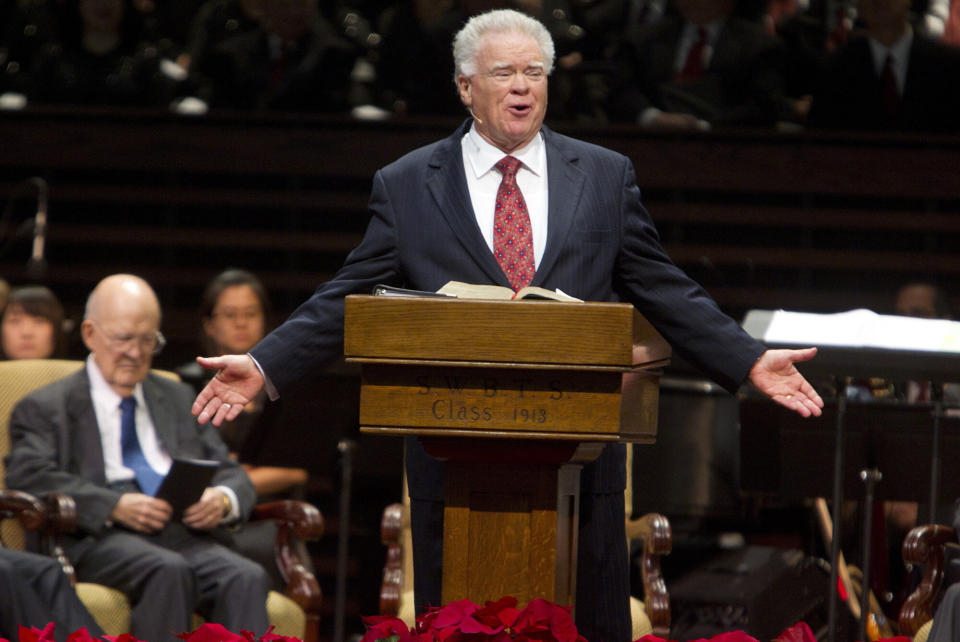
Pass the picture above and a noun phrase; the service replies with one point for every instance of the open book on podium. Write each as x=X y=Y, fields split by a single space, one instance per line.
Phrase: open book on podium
x=862 y=343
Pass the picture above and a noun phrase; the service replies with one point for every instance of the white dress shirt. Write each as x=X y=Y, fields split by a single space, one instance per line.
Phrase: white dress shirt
x=900 y=51
x=483 y=181
x=106 y=406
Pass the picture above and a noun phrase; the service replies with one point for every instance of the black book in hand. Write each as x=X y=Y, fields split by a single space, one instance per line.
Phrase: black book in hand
x=185 y=483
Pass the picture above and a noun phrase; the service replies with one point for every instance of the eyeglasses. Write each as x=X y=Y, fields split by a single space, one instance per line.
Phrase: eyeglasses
x=233 y=315
x=504 y=75
x=151 y=343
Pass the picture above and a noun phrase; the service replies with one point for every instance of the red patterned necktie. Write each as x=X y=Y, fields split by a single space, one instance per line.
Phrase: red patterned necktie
x=512 y=237
x=891 y=90
x=693 y=65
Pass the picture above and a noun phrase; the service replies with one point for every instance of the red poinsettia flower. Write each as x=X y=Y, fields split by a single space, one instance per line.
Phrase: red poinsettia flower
x=270 y=636
x=381 y=627
x=33 y=634
x=733 y=636
x=799 y=632
x=545 y=621
x=81 y=635
x=502 y=613
x=123 y=637
x=213 y=632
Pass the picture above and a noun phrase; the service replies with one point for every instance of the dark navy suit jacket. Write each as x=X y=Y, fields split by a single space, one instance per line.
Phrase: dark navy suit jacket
x=601 y=246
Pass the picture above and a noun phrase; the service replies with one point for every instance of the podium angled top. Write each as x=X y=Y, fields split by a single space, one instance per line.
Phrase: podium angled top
x=533 y=333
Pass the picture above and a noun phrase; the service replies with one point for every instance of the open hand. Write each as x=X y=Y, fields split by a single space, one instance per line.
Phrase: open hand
x=236 y=383
x=775 y=375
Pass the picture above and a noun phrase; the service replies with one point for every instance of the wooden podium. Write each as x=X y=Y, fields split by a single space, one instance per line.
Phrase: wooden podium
x=515 y=396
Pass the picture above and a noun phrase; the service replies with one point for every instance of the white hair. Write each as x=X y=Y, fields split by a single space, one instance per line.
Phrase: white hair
x=467 y=41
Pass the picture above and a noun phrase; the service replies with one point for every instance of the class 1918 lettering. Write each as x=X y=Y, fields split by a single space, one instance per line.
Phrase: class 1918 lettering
x=448 y=409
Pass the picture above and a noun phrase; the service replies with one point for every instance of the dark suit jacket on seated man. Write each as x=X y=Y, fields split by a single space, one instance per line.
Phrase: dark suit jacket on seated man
x=76 y=436
x=433 y=220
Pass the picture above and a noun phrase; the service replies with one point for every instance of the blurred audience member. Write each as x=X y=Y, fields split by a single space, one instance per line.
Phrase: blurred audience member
x=294 y=61
x=924 y=300
x=4 y=293
x=889 y=77
x=415 y=31
x=25 y=26
x=234 y=312
x=102 y=57
x=168 y=21
x=216 y=21
x=701 y=68
x=32 y=325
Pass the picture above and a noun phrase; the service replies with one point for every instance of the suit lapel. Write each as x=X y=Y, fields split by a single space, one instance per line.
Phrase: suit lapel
x=161 y=413
x=564 y=189
x=447 y=184
x=86 y=441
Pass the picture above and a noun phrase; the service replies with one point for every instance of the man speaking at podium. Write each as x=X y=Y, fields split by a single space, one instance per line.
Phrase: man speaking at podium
x=506 y=201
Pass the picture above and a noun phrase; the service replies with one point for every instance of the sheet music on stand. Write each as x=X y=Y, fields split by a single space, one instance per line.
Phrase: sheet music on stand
x=864 y=344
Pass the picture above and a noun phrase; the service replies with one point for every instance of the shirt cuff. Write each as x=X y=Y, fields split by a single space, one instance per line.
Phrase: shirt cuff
x=234 y=513
x=267 y=384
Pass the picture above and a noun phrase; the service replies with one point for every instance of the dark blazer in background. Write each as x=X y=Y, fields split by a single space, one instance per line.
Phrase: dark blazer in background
x=851 y=95
x=742 y=85
x=601 y=246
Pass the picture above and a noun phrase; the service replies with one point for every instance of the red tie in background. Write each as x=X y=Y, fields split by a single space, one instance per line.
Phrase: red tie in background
x=512 y=237
x=951 y=33
x=891 y=90
x=693 y=67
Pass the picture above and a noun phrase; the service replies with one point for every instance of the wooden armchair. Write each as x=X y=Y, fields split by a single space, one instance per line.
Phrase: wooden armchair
x=925 y=546
x=294 y=613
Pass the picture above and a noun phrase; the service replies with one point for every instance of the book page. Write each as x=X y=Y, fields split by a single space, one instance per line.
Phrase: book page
x=533 y=292
x=472 y=291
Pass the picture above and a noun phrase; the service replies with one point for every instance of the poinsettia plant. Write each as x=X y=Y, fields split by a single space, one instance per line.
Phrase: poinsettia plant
x=204 y=633
x=539 y=621
x=464 y=621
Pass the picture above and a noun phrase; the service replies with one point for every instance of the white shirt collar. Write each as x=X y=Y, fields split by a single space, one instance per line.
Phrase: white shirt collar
x=712 y=28
x=483 y=156
x=900 y=51
x=101 y=391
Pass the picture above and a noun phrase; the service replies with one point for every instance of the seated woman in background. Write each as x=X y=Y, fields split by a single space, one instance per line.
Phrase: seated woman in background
x=103 y=57
x=233 y=313
x=32 y=325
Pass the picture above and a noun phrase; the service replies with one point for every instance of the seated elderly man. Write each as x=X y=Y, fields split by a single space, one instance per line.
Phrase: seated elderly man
x=107 y=436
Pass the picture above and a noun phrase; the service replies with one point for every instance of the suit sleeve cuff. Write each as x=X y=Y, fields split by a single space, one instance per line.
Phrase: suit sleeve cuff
x=267 y=384
x=234 y=513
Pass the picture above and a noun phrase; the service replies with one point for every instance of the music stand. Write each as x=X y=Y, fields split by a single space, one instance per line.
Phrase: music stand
x=863 y=350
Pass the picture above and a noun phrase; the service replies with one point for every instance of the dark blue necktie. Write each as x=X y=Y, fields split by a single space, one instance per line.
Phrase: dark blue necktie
x=147 y=478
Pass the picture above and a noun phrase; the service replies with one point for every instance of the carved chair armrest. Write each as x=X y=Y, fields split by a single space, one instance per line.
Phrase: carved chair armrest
x=924 y=546
x=653 y=529
x=31 y=512
x=51 y=517
x=295 y=519
x=391 y=534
